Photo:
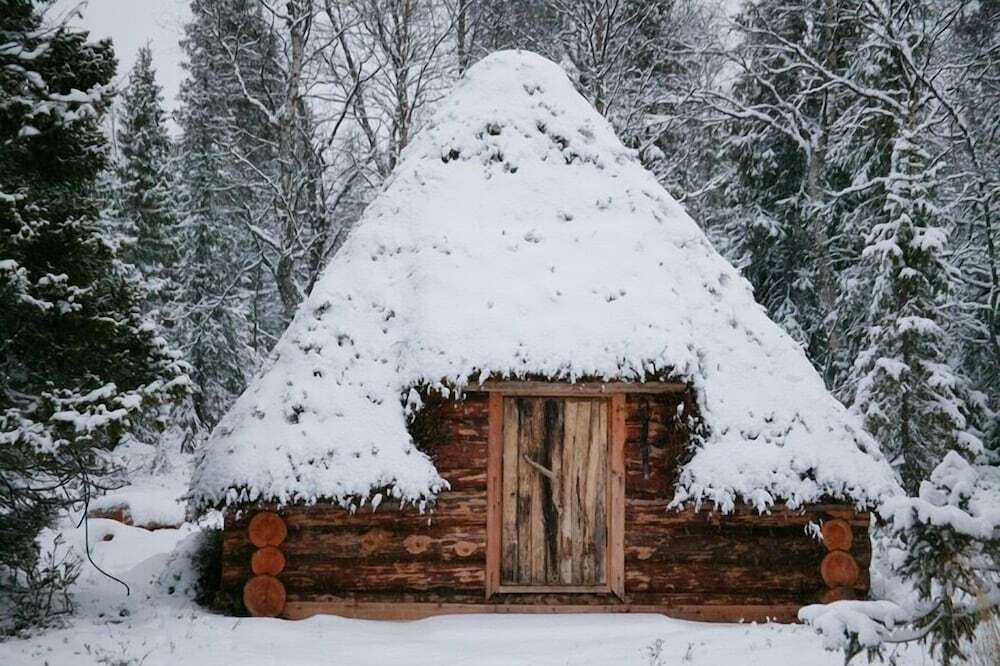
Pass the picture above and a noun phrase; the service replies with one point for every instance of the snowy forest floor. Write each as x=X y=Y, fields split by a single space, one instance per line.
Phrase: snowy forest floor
x=158 y=623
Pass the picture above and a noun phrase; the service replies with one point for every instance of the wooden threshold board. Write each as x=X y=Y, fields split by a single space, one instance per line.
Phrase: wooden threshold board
x=378 y=610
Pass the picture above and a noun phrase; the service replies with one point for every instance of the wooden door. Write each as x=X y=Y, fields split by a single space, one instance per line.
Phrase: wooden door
x=554 y=487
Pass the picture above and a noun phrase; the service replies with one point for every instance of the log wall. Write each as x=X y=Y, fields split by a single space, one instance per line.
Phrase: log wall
x=399 y=563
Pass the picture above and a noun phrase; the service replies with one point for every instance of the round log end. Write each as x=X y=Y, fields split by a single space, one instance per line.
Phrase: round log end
x=839 y=569
x=837 y=534
x=267 y=529
x=268 y=560
x=264 y=596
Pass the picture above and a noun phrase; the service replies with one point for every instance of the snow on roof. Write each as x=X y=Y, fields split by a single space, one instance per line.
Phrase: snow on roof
x=518 y=236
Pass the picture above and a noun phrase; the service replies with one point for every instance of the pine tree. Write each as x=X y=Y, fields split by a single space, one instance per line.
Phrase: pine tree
x=145 y=198
x=79 y=366
x=912 y=399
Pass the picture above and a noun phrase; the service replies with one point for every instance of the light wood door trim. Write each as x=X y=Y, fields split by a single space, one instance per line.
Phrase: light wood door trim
x=530 y=389
x=616 y=497
x=494 y=516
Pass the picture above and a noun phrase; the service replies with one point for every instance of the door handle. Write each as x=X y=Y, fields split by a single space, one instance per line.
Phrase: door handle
x=544 y=471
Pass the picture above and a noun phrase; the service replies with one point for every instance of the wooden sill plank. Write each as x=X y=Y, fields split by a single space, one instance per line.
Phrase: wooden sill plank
x=375 y=610
x=554 y=589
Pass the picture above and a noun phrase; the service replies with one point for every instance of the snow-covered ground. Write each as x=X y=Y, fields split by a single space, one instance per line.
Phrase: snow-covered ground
x=158 y=624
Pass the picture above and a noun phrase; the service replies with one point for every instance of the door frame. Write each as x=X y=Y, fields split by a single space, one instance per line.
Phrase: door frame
x=615 y=501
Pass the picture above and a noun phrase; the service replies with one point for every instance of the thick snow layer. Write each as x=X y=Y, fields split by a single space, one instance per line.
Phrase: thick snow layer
x=959 y=495
x=518 y=236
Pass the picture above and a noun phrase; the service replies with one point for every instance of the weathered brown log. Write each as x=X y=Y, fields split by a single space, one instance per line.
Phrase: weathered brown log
x=837 y=534
x=452 y=508
x=727 y=545
x=267 y=560
x=264 y=596
x=710 y=579
x=390 y=543
x=320 y=575
x=657 y=513
x=267 y=529
x=839 y=569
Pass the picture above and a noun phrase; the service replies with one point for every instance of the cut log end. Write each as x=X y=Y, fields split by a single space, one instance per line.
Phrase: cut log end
x=839 y=569
x=268 y=560
x=267 y=529
x=837 y=534
x=264 y=596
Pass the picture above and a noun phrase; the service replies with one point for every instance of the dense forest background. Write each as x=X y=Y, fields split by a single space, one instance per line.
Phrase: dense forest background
x=844 y=154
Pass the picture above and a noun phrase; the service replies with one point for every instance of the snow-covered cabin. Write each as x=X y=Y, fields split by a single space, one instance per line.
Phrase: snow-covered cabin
x=528 y=382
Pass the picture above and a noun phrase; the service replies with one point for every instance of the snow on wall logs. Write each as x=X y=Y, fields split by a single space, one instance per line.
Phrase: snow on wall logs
x=399 y=563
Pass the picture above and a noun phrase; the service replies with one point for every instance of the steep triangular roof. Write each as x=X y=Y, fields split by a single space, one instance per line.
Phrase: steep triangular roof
x=518 y=236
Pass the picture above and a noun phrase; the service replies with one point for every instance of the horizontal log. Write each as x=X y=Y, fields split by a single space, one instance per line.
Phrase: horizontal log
x=837 y=534
x=711 y=578
x=452 y=508
x=266 y=528
x=788 y=546
x=268 y=560
x=649 y=513
x=390 y=543
x=329 y=576
x=839 y=569
x=468 y=478
x=264 y=596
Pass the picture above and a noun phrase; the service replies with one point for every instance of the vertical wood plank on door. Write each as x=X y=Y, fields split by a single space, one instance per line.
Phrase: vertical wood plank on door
x=599 y=445
x=616 y=497
x=568 y=506
x=551 y=485
x=510 y=477
x=580 y=528
x=534 y=451
x=495 y=493
x=525 y=411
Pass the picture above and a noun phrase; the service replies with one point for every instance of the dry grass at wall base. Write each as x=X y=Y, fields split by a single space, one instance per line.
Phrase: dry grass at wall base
x=986 y=648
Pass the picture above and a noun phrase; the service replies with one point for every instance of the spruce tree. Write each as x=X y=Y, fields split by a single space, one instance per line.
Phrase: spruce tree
x=79 y=366
x=145 y=198
x=912 y=399
x=228 y=314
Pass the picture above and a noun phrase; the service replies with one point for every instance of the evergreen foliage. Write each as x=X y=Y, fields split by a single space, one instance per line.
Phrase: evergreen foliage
x=224 y=312
x=145 y=187
x=913 y=400
x=79 y=365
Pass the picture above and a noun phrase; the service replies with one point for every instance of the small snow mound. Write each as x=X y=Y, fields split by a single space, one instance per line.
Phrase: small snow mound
x=149 y=509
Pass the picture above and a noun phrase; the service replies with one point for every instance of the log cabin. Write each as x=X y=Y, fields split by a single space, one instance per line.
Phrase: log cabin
x=528 y=383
